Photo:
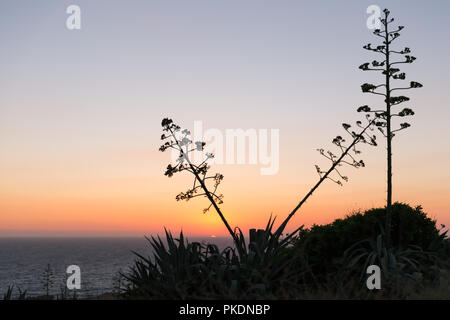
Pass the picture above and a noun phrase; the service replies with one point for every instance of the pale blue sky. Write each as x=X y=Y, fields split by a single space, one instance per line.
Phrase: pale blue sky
x=262 y=59
x=291 y=65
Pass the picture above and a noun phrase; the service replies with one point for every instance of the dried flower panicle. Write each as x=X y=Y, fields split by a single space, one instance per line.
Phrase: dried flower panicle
x=180 y=140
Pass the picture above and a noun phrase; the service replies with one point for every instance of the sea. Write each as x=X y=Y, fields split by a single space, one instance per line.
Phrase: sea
x=23 y=262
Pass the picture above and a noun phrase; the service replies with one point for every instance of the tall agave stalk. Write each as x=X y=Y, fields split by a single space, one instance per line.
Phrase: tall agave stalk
x=390 y=72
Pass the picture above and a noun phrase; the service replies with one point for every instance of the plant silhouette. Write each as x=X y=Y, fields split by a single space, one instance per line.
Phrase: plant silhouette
x=347 y=156
x=185 y=146
x=179 y=140
x=390 y=71
x=47 y=280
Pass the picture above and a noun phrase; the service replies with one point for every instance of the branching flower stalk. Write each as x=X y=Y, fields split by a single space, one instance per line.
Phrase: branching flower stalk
x=184 y=145
x=345 y=157
x=385 y=116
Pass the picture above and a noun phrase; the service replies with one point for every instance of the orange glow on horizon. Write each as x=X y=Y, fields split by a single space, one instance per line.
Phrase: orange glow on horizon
x=131 y=196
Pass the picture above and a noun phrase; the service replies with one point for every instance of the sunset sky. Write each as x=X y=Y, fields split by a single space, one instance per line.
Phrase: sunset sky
x=81 y=111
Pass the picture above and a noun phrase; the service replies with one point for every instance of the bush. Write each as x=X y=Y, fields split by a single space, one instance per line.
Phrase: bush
x=324 y=246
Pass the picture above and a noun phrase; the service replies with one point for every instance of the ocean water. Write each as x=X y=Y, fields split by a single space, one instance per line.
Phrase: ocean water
x=23 y=261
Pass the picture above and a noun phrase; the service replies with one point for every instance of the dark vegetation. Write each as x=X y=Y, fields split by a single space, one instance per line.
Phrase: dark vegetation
x=327 y=261
x=359 y=240
x=391 y=74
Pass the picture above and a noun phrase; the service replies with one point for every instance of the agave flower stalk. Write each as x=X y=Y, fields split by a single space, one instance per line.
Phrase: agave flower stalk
x=390 y=72
x=347 y=156
x=185 y=146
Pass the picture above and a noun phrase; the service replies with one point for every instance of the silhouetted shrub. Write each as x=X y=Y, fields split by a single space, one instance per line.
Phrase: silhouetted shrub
x=324 y=245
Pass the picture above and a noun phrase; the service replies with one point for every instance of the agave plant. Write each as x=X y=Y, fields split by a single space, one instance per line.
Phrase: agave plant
x=264 y=263
x=9 y=294
x=394 y=261
x=180 y=269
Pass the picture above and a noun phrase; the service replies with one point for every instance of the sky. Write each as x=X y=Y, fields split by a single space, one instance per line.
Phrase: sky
x=81 y=111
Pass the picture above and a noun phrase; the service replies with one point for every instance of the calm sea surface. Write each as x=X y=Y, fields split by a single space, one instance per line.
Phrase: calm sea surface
x=23 y=261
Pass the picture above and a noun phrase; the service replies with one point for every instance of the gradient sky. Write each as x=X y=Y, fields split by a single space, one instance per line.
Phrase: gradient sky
x=80 y=111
